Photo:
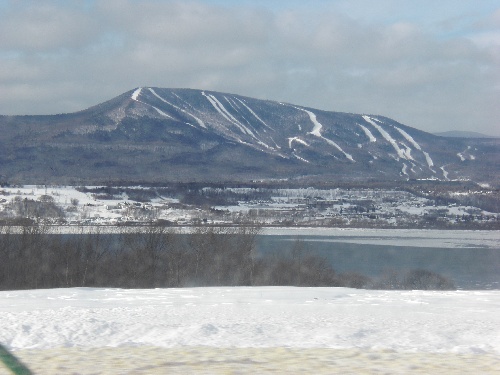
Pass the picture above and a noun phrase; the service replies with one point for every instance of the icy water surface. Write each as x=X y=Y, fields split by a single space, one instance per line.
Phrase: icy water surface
x=470 y=258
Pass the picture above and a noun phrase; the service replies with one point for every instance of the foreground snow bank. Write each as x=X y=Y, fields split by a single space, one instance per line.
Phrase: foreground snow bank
x=341 y=318
x=279 y=330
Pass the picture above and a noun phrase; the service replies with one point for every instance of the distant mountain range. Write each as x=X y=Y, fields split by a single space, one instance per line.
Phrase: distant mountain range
x=463 y=134
x=156 y=135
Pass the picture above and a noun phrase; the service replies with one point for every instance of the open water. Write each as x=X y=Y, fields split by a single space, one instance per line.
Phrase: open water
x=470 y=259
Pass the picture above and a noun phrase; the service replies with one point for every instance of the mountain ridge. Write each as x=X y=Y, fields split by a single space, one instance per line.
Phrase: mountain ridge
x=153 y=134
x=463 y=134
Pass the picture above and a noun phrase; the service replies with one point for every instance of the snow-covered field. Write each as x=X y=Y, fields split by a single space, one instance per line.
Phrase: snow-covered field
x=252 y=330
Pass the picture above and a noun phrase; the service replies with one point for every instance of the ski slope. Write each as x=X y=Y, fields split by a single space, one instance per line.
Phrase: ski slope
x=316 y=131
x=386 y=136
x=200 y=122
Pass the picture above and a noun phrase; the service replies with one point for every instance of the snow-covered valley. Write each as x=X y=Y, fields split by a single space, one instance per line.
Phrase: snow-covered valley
x=339 y=207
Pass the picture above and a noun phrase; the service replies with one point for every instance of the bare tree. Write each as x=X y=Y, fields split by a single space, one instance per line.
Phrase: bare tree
x=94 y=246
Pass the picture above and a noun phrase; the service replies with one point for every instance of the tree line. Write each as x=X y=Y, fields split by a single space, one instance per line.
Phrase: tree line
x=36 y=256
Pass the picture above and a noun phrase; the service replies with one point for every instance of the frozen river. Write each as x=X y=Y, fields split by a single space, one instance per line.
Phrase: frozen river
x=470 y=258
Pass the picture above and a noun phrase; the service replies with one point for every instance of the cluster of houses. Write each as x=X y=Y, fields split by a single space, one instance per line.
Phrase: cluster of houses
x=367 y=207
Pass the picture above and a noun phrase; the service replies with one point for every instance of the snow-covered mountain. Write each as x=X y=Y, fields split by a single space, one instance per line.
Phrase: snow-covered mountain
x=160 y=135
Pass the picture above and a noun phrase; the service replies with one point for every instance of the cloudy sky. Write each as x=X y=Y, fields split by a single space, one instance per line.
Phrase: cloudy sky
x=433 y=65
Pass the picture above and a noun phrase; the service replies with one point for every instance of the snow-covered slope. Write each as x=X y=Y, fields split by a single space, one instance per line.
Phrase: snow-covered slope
x=258 y=330
x=428 y=321
x=152 y=133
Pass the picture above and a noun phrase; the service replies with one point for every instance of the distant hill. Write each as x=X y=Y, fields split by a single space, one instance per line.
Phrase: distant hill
x=157 y=135
x=463 y=134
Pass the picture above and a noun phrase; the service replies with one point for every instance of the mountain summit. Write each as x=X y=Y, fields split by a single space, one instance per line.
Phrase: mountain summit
x=162 y=135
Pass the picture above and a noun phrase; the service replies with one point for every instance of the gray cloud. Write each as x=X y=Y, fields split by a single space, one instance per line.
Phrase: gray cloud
x=44 y=27
x=63 y=57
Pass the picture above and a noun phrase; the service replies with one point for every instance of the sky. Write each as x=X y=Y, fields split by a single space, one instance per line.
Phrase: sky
x=432 y=65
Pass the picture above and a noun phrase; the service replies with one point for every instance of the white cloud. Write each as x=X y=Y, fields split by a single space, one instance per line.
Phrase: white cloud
x=56 y=58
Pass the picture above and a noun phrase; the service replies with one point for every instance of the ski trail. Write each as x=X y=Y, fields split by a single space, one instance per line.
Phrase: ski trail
x=348 y=156
x=277 y=145
x=296 y=139
x=253 y=113
x=224 y=112
x=232 y=103
x=407 y=151
x=413 y=166
x=159 y=111
x=214 y=104
x=187 y=103
x=317 y=125
x=136 y=94
x=404 y=169
x=430 y=163
x=463 y=156
x=300 y=158
x=445 y=172
x=386 y=136
x=408 y=137
x=200 y=122
x=236 y=108
x=233 y=100
x=242 y=127
x=368 y=133
x=317 y=132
